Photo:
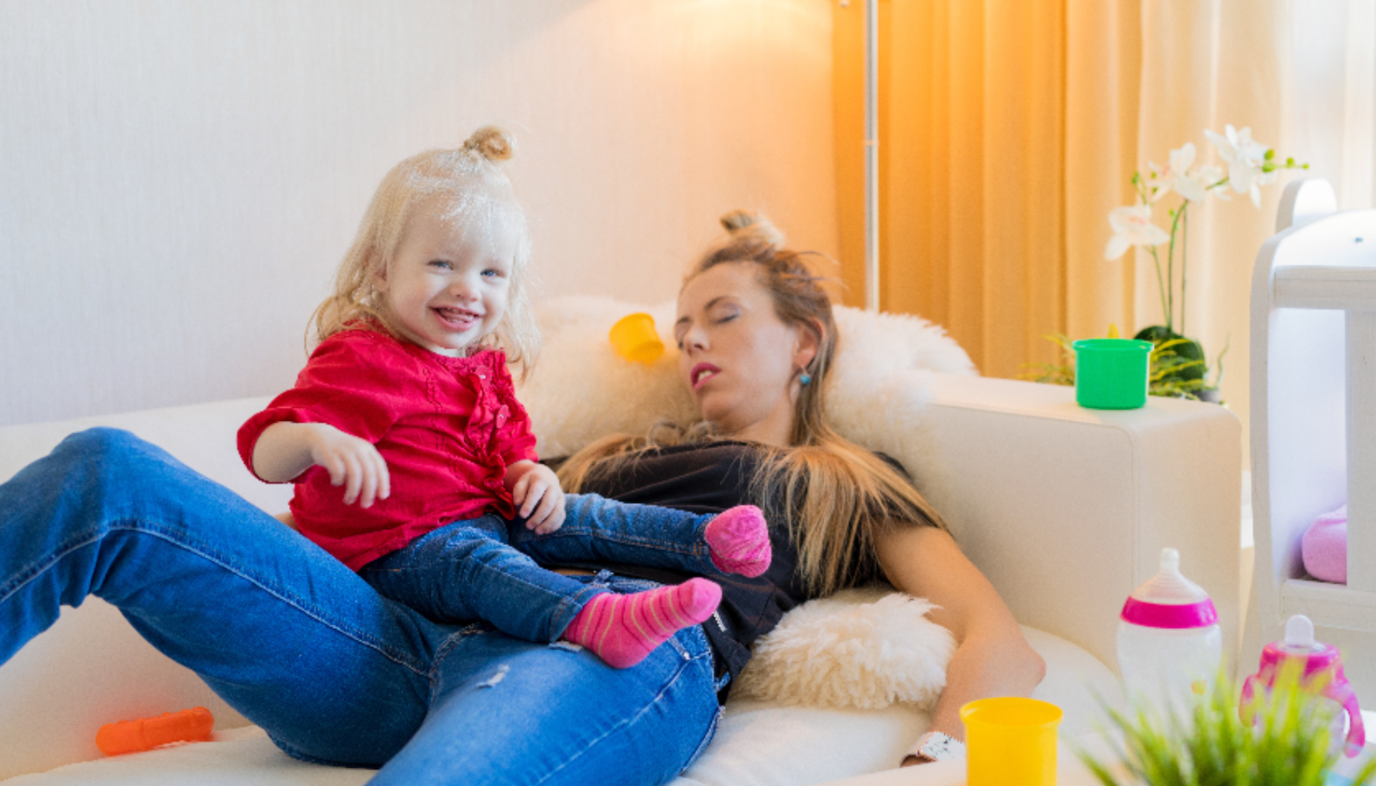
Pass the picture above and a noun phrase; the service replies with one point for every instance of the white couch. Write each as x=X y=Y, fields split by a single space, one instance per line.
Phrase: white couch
x=1065 y=509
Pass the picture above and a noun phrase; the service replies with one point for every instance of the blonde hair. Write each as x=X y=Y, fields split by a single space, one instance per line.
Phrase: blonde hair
x=465 y=186
x=836 y=496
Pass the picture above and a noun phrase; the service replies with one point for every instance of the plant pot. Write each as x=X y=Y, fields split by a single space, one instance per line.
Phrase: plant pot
x=1187 y=350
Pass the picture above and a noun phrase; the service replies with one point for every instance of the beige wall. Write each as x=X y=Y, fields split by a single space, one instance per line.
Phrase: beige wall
x=178 y=179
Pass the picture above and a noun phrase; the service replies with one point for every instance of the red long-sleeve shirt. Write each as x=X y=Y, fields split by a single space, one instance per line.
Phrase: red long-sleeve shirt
x=447 y=428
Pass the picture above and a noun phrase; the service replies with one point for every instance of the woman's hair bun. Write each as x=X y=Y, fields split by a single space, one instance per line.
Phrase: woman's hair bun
x=742 y=224
x=492 y=143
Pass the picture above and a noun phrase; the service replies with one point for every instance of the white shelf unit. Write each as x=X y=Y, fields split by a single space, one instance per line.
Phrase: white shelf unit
x=1313 y=422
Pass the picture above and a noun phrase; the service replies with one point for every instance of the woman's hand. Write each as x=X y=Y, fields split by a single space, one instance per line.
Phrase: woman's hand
x=284 y=450
x=992 y=656
x=536 y=492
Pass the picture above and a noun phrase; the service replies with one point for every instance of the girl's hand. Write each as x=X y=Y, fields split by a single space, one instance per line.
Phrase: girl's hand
x=352 y=462
x=538 y=497
x=286 y=449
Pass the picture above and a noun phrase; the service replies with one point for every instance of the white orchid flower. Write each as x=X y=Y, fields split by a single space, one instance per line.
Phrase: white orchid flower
x=1195 y=186
x=1208 y=176
x=1177 y=176
x=1132 y=226
x=1245 y=158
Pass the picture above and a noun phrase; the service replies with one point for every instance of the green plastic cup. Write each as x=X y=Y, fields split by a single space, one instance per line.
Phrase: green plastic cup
x=1111 y=373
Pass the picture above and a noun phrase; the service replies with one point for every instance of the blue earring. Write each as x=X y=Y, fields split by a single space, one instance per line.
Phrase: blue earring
x=805 y=378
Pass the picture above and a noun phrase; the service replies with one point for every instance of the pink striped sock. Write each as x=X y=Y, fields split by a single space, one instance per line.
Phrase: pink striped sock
x=623 y=629
x=739 y=540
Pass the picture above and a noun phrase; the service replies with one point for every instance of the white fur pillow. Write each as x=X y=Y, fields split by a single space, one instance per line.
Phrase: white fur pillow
x=862 y=648
x=582 y=390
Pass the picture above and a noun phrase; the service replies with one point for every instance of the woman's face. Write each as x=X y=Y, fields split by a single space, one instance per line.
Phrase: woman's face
x=739 y=360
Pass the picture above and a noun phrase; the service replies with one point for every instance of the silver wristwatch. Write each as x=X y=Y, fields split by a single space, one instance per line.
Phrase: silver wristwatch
x=935 y=746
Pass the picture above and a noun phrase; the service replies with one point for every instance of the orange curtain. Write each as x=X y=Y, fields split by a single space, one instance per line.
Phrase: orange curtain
x=1010 y=128
x=972 y=160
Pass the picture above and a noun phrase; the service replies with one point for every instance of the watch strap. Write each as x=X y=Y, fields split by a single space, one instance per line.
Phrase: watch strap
x=936 y=746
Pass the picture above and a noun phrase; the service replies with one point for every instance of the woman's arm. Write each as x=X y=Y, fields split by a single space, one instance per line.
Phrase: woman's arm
x=992 y=656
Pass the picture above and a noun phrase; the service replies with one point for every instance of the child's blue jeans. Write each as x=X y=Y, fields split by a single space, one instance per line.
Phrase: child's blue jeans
x=475 y=569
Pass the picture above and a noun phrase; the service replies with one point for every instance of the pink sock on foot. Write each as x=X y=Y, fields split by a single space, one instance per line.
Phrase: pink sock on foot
x=739 y=540
x=623 y=629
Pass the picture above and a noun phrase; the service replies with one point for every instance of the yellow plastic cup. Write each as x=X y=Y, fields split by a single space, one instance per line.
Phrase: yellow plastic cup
x=634 y=338
x=1010 y=740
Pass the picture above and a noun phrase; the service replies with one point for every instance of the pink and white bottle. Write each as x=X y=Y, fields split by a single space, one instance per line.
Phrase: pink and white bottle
x=1323 y=669
x=1169 y=644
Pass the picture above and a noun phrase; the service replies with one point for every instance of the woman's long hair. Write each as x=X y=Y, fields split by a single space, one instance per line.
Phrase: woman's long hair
x=836 y=496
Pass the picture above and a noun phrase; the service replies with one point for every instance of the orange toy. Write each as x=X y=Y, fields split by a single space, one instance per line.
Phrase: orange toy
x=130 y=736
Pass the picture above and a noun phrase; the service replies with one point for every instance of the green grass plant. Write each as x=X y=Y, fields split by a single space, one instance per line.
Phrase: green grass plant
x=1175 y=369
x=1289 y=745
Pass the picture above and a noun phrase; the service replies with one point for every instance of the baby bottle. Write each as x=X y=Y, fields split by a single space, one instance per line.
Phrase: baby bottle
x=1169 y=643
x=1323 y=669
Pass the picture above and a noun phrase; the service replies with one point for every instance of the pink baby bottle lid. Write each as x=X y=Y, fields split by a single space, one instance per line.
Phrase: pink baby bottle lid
x=1299 y=644
x=1169 y=600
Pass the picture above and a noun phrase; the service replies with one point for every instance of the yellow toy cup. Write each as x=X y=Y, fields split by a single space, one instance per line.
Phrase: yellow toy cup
x=1111 y=373
x=1010 y=740
x=634 y=338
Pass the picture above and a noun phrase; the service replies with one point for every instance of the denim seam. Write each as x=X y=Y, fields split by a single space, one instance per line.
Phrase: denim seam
x=678 y=674
x=94 y=536
x=576 y=601
x=580 y=596
x=698 y=549
x=442 y=652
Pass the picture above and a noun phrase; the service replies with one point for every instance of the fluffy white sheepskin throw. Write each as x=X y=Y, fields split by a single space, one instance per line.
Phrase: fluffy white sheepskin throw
x=863 y=648
x=582 y=390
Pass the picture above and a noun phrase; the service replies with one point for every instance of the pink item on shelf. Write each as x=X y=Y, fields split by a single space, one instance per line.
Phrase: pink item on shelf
x=1323 y=673
x=1324 y=547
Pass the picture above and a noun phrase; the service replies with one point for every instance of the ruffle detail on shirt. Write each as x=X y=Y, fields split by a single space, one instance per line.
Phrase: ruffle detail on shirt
x=490 y=412
x=492 y=391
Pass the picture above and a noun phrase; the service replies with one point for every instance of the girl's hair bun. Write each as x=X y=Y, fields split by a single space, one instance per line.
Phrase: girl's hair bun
x=492 y=143
x=741 y=224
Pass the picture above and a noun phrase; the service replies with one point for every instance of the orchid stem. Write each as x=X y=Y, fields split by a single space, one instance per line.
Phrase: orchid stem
x=1156 y=260
x=1184 y=252
x=1170 y=272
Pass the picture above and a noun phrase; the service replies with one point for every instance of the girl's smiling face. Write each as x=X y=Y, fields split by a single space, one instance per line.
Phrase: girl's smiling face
x=739 y=359
x=446 y=287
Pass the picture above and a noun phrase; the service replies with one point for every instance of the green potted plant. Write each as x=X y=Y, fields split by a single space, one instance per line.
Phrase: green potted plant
x=1166 y=376
x=1288 y=743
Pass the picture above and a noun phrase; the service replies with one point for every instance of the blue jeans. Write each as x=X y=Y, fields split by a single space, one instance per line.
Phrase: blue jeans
x=303 y=647
x=479 y=569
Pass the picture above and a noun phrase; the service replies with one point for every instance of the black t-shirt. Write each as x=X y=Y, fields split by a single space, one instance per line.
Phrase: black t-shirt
x=709 y=478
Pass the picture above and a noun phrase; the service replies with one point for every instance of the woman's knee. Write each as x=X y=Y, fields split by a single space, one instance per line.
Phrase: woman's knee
x=102 y=446
x=81 y=463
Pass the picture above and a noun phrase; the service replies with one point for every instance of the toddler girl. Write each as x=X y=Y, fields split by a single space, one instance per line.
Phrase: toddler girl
x=413 y=461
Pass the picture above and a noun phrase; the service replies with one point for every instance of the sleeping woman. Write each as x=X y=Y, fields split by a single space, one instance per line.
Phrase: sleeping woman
x=336 y=674
x=756 y=340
